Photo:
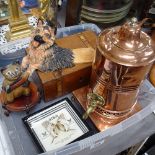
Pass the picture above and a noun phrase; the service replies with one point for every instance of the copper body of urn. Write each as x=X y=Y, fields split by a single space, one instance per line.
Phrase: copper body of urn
x=124 y=56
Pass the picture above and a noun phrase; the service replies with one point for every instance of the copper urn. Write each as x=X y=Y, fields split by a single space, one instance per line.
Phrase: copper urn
x=124 y=56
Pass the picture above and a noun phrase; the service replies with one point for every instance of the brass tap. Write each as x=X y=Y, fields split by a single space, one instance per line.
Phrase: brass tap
x=94 y=100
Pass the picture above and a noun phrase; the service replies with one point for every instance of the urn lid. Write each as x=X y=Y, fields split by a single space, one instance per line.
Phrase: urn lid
x=127 y=45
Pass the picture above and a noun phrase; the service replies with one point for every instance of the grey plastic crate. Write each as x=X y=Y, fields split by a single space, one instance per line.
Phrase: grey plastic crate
x=121 y=136
x=109 y=142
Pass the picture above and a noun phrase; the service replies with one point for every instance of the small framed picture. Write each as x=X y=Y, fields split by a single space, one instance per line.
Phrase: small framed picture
x=57 y=125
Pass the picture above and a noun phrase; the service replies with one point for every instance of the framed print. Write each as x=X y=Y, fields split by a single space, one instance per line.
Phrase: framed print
x=56 y=125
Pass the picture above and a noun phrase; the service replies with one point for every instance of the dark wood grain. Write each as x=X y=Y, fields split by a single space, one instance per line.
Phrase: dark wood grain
x=58 y=83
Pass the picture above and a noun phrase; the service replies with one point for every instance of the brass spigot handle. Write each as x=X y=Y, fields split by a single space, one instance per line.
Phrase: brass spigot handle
x=94 y=100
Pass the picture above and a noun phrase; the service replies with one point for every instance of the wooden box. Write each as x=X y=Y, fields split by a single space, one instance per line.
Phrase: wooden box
x=58 y=83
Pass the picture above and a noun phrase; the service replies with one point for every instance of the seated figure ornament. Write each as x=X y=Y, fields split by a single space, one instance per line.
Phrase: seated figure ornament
x=15 y=83
x=43 y=54
x=18 y=93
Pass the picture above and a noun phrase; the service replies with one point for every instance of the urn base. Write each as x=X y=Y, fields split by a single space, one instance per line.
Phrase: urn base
x=102 y=122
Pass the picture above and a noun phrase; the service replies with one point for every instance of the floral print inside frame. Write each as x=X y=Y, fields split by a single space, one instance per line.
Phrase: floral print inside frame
x=56 y=126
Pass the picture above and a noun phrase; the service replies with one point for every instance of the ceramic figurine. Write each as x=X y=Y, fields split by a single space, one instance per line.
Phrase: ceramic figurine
x=18 y=93
x=43 y=54
x=15 y=83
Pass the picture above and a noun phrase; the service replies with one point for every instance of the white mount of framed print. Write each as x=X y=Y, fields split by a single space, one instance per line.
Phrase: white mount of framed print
x=56 y=125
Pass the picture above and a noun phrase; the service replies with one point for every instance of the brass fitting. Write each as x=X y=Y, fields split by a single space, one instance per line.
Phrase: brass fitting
x=94 y=100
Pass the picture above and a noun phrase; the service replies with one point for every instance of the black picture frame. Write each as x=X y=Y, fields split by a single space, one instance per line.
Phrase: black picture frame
x=85 y=125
